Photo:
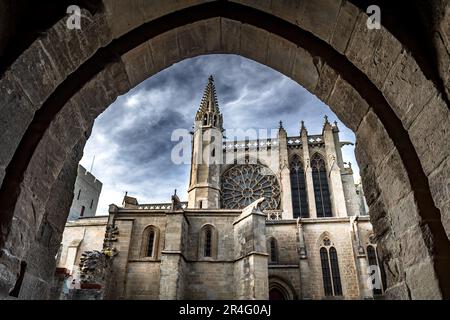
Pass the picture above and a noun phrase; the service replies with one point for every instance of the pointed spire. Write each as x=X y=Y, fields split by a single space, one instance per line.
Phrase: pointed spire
x=281 y=125
x=326 y=124
x=335 y=127
x=303 y=130
x=209 y=112
x=209 y=99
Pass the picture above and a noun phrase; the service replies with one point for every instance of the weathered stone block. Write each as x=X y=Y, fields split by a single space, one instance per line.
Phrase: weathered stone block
x=327 y=80
x=213 y=35
x=139 y=64
x=192 y=39
x=345 y=24
x=281 y=54
x=373 y=51
x=422 y=281
x=393 y=179
x=407 y=89
x=101 y=91
x=254 y=43
x=165 y=50
x=373 y=139
x=16 y=113
x=68 y=48
x=124 y=16
x=230 y=35
x=405 y=214
x=9 y=270
x=319 y=17
x=398 y=292
x=415 y=243
x=304 y=70
x=348 y=105
x=429 y=132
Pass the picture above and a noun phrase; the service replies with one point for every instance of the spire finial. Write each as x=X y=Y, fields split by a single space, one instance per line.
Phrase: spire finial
x=281 y=124
x=326 y=119
x=209 y=113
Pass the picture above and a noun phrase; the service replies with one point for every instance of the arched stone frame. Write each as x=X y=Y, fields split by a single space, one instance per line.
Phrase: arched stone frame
x=202 y=242
x=277 y=282
x=145 y=242
x=411 y=176
x=274 y=257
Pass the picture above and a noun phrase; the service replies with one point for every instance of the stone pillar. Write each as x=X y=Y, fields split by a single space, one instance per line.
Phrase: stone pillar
x=173 y=263
x=305 y=273
x=360 y=259
x=251 y=276
x=308 y=173
x=285 y=177
x=116 y=286
x=334 y=173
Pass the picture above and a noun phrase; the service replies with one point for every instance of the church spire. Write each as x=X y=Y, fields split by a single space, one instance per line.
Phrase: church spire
x=209 y=112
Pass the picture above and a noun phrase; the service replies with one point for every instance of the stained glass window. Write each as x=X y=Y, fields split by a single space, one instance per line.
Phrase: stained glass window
x=335 y=272
x=298 y=188
x=321 y=190
x=208 y=242
x=243 y=184
x=326 y=272
x=150 y=243
x=273 y=251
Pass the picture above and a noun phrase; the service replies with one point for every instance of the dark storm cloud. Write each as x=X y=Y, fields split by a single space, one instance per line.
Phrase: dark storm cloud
x=131 y=140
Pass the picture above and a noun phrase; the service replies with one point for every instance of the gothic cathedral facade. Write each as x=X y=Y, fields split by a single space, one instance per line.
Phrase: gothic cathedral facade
x=272 y=218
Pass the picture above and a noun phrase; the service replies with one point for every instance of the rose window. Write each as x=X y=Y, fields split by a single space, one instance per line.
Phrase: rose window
x=246 y=183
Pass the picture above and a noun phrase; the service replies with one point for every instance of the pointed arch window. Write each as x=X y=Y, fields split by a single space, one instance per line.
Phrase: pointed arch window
x=298 y=188
x=208 y=242
x=378 y=282
x=321 y=190
x=150 y=242
x=330 y=269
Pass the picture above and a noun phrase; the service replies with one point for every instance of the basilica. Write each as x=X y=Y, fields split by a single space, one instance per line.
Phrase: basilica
x=266 y=218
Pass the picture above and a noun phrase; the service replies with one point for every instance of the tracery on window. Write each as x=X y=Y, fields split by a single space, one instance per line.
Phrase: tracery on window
x=298 y=188
x=321 y=190
x=243 y=184
x=330 y=269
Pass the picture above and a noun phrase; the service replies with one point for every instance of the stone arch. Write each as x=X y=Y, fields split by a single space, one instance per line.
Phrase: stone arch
x=300 y=157
x=322 y=237
x=278 y=283
x=391 y=105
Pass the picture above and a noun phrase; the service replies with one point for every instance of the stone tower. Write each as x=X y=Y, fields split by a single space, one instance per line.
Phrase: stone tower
x=204 y=186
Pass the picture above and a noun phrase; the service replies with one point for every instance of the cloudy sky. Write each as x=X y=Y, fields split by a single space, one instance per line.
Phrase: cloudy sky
x=131 y=140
